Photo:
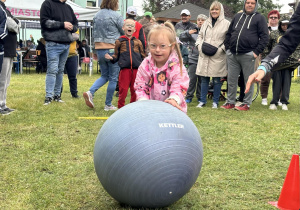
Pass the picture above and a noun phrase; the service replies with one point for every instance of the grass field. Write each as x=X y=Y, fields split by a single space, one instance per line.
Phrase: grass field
x=46 y=158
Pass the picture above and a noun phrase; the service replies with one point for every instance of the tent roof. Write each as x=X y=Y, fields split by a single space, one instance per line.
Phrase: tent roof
x=30 y=10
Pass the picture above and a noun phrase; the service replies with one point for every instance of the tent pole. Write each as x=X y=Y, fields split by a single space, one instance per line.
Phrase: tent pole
x=91 y=52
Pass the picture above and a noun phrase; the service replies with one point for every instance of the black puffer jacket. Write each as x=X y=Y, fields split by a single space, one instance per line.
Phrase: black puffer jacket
x=53 y=14
x=287 y=44
x=247 y=33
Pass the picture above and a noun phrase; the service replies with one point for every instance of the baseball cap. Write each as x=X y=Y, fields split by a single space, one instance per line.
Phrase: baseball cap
x=131 y=10
x=185 y=11
x=148 y=14
x=285 y=21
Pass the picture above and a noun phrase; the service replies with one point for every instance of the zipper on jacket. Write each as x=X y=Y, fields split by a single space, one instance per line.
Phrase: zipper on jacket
x=237 y=41
x=130 y=53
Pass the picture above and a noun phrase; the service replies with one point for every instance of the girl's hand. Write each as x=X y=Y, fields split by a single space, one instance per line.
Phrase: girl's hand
x=173 y=103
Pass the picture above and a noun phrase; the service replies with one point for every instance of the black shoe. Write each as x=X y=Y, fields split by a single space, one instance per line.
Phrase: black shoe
x=75 y=95
x=47 y=101
x=8 y=109
x=58 y=99
x=2 y=112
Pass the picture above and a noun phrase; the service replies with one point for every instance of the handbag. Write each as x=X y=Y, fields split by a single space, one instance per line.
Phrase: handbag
x=86 y=60
x=209 y=49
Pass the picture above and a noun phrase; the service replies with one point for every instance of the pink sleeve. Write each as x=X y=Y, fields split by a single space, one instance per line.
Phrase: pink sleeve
x=142 y=83
x=180 y=84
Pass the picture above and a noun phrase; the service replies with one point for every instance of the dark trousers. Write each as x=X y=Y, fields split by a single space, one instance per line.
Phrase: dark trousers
x=195 y=82
x=71 y=69
x=264 y=85
x=281 y=84
x=126 y=80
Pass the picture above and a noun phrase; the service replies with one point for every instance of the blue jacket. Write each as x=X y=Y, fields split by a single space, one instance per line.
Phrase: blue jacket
x=107 y=26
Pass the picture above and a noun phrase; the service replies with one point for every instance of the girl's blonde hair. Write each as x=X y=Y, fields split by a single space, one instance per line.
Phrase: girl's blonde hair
x=168 y=29
x=215 y=4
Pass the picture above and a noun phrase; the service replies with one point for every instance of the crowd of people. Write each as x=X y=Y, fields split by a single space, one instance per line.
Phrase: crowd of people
x=161 y=61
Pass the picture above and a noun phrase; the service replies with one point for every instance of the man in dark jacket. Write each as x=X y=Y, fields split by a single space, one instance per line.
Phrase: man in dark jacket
x=185 y=28
x=58 y=22
x=10 y=45
x=246 y=38
x=286 y=46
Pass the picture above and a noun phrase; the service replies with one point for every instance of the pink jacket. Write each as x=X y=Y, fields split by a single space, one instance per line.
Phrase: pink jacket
x=161 y=83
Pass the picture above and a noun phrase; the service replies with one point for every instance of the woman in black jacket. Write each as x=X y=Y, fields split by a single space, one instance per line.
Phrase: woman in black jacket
x=287 y=45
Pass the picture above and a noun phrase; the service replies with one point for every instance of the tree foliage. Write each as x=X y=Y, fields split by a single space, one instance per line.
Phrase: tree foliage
x=231 y=7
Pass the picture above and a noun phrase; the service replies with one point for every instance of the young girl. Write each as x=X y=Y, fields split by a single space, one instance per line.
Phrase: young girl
x=162 y=76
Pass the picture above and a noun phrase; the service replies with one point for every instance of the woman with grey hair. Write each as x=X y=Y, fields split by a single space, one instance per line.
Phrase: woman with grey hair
x=195 y=81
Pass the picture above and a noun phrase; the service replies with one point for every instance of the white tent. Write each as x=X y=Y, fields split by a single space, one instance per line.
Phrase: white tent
x=30 y=10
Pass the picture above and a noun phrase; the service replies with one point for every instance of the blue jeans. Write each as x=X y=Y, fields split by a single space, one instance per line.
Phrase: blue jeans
x=57 y=55
x=109 y=73
x=204 y=89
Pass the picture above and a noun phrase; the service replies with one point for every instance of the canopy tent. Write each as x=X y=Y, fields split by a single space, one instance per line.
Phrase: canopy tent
x=30 y=10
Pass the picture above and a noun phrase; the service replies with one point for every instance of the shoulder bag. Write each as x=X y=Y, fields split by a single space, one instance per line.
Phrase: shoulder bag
x=209 y=49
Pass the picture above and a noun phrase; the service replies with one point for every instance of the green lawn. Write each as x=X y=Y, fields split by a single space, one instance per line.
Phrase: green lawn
x=46 y=158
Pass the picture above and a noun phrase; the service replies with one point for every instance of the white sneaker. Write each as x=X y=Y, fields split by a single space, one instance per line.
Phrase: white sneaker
x=200 y=105
x=279 y=103
x=284 y=107
x=214 y=105
x=273 y=107
x=88 y=97
x=264 y=101
x=110 y=108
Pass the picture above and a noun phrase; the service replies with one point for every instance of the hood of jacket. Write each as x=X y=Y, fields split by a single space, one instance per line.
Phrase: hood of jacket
x=221 y=16
x=284 y=17
x=255 y=9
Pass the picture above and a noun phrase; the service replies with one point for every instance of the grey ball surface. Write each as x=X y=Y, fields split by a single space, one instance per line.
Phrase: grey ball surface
x=148 y=154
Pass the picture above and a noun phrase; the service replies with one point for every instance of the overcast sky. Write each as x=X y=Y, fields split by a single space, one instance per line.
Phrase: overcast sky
x=284 y=9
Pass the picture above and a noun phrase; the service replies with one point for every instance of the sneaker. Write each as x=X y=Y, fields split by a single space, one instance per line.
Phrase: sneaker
x=273 y=107
x=214 y=105
x=110 y=108
x=58 y=99
x=47 y=101
x=279 y=103
x=242 y=107
x=75 y=95
x=264 y=101
x=88 y=97
x=284 y=107
x=238 y=103
x=8 y=109
x=188 y=100
x=200 y=105
x=3 y=112
x=227 y=106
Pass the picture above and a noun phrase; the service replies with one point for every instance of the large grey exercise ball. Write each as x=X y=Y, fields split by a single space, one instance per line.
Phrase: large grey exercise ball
x=148 y=154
